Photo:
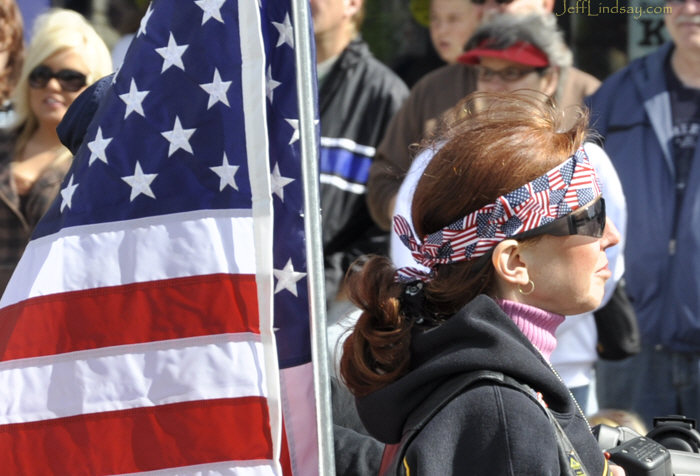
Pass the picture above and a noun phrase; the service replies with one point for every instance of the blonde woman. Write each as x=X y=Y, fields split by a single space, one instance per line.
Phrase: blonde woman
x=63 y=58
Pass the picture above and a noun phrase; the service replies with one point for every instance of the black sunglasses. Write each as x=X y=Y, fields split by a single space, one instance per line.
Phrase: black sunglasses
x=69 y=79
x=588 y=220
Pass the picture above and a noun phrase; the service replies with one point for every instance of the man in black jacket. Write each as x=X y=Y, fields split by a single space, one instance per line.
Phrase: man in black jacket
x=357 y=95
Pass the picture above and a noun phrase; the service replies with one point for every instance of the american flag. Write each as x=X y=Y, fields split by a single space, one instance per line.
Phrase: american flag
x=158 y=321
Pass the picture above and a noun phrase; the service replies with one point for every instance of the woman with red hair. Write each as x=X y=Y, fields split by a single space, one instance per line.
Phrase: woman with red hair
x=510 y=229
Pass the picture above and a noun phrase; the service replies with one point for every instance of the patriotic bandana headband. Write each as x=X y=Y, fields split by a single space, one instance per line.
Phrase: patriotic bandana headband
x=553 y=195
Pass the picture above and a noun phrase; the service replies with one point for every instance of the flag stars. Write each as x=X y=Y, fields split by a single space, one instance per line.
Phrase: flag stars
x=144 y=20
x=270 y=84
x=226 y=173
x=295 y=125
x=97 y=147
x=134 y=100
x=172 y=54
x=140 y=183
x=217 y=90
x=286 y=32
x=178 y=137
x=287 y=278
x=278 y=182
x=67 y=194
x=211 y=9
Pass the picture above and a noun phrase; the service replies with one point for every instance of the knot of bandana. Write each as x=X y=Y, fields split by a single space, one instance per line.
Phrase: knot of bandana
x=565 y=188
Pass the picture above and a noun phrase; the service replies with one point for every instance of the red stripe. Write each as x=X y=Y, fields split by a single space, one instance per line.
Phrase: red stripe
x=285 y=459
x=129 y=314
x=143 y=439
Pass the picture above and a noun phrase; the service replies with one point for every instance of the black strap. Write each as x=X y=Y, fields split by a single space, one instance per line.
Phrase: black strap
x=392 y=459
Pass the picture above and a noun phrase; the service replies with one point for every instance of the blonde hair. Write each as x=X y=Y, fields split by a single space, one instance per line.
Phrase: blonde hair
x=54 y=31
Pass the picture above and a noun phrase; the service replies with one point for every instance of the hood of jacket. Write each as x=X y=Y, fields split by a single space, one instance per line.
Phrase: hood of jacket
x=479 y=337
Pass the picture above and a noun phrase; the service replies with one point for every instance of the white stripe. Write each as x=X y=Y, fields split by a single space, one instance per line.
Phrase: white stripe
x=134 y=376
x=253 y=82
x=343 y=184
x=297 y=391
x=348 y=144
x=226 y=468
x=116 y=253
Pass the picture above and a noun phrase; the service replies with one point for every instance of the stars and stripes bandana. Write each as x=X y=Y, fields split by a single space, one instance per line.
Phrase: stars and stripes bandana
x=565 y=188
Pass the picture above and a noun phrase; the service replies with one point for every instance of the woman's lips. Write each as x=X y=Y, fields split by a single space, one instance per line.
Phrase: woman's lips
x=604 y=271
x=53 y=102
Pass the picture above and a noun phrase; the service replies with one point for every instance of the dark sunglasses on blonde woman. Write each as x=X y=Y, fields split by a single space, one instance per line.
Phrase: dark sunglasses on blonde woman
x=69 y=79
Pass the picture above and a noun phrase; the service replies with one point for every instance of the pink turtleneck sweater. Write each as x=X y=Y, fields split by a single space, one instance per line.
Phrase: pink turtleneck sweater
x=537 y=325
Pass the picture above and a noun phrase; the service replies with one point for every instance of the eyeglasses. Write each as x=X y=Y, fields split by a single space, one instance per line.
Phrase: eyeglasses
x=500 y=2
x=69 y=79
x=507 y=75
x=588 y=221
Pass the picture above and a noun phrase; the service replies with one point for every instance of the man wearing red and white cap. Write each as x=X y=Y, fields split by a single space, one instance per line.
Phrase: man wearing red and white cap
x=519 y=66
x=436 y=93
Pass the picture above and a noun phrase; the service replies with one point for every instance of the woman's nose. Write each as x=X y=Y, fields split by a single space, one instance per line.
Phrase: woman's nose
x=611 y=235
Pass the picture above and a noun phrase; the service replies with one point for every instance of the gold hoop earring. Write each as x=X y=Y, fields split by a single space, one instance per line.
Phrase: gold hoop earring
x=532 y=288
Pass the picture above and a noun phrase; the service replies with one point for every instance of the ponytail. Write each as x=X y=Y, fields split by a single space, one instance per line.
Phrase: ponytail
x=377 y=352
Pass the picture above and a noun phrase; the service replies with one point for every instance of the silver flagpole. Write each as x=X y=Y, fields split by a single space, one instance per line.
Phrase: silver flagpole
x=312 y=226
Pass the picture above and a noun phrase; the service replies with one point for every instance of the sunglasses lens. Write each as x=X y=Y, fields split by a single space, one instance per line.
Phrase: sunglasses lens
x=71 y=80
x=39 y=76
x=592 y=221
x=588 y=221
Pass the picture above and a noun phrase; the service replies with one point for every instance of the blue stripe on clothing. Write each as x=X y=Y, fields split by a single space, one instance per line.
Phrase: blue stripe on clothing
x=351 y=166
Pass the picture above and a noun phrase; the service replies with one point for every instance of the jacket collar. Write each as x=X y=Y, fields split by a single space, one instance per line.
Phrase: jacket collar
x=352 y=54
x=649 y=76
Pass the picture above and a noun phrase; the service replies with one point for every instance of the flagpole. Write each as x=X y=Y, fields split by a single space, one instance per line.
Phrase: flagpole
x=312 y=224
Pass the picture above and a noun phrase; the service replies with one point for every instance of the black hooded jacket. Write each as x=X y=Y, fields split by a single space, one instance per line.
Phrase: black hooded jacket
x=489 y=429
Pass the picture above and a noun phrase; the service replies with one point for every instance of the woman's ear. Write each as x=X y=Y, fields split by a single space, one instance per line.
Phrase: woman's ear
x=508 y=264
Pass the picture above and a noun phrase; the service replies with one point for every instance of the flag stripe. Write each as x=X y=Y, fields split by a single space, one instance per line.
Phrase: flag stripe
x=159 y=373
x=151 y=438
x=227 y=468
x=124 y=252
x=297 y=386
x=103 y=317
